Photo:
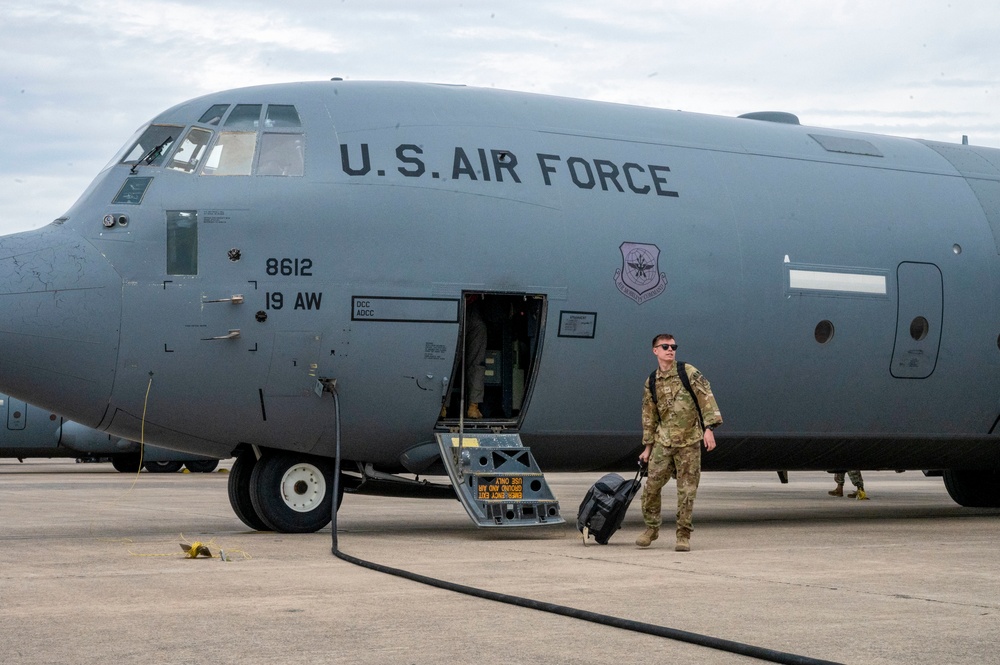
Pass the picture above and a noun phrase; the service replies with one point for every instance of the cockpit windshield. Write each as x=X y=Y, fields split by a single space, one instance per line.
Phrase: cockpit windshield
x=214 y=114
x=251 y=139
x=153 y=145
x=191 y=150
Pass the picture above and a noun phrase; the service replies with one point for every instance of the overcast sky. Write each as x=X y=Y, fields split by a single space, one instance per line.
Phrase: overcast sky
x=77 y=78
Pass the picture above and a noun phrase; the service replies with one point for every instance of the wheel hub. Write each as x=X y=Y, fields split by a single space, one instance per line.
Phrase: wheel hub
x=303 y=487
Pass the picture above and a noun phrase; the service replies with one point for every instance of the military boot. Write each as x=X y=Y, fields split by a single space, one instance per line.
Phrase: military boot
x=683 y=542
x=647 y=537
x=837 y=492
x=858 y=494
x=473 y=412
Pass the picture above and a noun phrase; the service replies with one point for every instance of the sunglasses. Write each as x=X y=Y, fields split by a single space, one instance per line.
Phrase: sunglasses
x=667 y=346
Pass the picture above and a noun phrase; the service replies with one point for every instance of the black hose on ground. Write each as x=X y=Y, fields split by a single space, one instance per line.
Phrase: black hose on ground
x=615 y=622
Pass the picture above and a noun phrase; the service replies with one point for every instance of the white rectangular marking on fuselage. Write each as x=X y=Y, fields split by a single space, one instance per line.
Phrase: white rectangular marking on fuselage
x=817 y=280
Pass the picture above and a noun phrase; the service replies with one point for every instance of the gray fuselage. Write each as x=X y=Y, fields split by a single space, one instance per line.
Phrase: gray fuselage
x=838 y=290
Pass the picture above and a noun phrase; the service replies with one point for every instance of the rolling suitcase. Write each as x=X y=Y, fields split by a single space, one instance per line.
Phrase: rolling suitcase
x=605 y=504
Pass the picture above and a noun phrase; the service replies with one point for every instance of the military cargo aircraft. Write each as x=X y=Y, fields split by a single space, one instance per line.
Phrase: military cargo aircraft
x=32 y=432
x=254 y=262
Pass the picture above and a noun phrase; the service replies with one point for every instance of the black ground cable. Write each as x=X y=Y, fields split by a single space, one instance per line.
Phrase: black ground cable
x=615 y=622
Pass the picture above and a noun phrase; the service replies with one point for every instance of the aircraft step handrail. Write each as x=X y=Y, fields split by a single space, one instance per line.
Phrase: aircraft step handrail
x=497 y=480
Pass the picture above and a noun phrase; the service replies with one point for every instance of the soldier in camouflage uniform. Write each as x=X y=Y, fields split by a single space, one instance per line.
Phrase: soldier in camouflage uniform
x=672 y=435
x=859 y=484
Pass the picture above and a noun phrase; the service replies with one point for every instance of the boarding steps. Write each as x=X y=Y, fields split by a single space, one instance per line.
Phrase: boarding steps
x=497 y=480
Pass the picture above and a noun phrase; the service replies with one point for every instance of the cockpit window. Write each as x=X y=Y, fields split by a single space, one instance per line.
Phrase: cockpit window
x=244 y=116
x=191 y=150
x=153 y=145
x=214 y=114
x=281 y=116
x=281 y=154
x=182 y=242
x=243 y=149
x=232 y=154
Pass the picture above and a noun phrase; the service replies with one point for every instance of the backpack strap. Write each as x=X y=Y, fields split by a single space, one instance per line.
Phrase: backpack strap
x=682 y=373
x=651 y=385
x=685 y=381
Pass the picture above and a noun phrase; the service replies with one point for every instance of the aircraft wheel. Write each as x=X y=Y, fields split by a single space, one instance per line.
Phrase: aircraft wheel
x=239 y=491
x=291 y=491
x=202 y=465
x=163 y=467
x=973 y=489
x=126 y=462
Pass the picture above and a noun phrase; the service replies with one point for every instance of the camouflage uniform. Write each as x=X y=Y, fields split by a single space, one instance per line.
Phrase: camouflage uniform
x=855 y=476
x=676 y=436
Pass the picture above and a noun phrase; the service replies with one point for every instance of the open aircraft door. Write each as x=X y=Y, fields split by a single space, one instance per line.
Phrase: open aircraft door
x=919 y=320
x=493 y=474
x=505 y=330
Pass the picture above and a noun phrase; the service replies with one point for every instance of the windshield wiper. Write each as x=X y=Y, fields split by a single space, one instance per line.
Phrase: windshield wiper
x=152 y=154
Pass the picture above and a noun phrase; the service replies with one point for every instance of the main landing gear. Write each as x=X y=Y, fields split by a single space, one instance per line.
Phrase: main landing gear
x=282 y=491
x=973 y=489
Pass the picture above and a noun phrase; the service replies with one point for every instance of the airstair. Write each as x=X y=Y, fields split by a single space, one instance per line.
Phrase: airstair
x=497 y=480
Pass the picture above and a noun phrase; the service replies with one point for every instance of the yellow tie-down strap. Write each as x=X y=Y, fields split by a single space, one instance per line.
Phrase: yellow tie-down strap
x=464 y=442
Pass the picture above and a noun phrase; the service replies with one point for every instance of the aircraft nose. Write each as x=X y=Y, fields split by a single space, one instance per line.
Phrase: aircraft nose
x=60 y=313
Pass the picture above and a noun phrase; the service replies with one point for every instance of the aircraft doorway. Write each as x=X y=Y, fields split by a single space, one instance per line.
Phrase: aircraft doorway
x=496 y=356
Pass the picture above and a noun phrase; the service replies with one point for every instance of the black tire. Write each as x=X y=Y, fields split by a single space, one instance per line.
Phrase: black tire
x=239 y=491
x=973 y=489
x=202 y=465
x=291 y=491
x=163 y=467
x=126 y=462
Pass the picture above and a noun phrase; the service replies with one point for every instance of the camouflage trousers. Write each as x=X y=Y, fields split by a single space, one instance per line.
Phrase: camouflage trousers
x=685 y=464
x=838 y=478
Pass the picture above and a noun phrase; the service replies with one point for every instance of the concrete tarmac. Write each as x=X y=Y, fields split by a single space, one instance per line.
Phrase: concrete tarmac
x=91 y=572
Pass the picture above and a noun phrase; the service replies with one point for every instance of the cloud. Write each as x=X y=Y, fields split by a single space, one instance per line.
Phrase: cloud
x=76 y=79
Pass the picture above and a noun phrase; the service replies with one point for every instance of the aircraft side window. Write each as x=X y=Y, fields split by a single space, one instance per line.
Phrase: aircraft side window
x=191 y=150
x=919 y=328
x=281 y=116
x=232 y=154
x=244 y=116
x=824 y=331
x=182 y=242
x=281 y=154
x=214 y=114
x=153 y=145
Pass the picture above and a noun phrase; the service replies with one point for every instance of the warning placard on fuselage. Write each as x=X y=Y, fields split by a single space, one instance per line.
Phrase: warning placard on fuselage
x=424 y=310
x=501 y=488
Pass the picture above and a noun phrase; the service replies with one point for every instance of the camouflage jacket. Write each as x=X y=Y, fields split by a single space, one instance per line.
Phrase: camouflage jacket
x=678 y=422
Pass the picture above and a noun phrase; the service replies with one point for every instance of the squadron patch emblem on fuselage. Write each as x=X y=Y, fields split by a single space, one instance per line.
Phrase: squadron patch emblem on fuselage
x=640 y=278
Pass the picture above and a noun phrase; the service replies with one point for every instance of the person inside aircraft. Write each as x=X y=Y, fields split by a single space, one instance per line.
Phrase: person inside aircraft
x=475 y=354
x=495 y=357
x=859 y=485
x=678 y=414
